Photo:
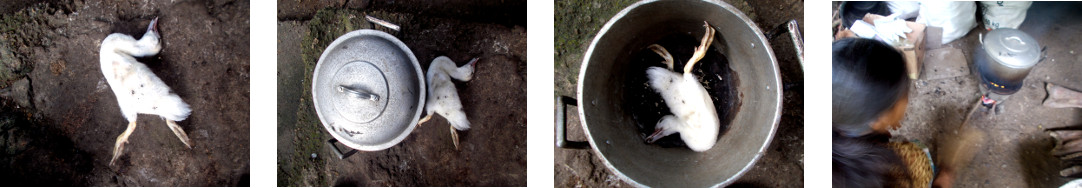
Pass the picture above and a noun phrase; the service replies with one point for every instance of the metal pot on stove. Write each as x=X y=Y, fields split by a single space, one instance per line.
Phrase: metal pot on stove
x=1004 y=58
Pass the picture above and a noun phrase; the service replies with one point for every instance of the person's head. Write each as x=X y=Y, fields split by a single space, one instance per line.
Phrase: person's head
x=868 y=78
x=861 y=162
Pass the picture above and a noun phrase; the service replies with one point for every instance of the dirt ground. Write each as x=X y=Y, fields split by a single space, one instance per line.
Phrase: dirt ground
x=1016 y=151
x=576 y=24
x=493 y=151
x=59 y=128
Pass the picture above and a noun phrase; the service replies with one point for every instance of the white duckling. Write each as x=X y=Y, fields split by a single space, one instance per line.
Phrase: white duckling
x=137 y=89
x=693 y=115
x=443 y=96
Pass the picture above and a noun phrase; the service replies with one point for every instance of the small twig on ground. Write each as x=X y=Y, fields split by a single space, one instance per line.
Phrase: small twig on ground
x=381 y=22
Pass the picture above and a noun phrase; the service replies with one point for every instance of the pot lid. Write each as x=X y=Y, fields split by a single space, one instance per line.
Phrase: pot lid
x=367 y=90
x=1012 y=48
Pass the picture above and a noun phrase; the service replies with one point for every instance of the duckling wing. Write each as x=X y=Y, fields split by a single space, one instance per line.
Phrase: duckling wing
x=692 y=90
x=700 y=118
x=665 y=82
x=145 y=93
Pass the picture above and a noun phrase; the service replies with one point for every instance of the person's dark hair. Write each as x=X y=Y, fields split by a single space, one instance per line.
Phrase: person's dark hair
x=868 y=78
x=864 y=162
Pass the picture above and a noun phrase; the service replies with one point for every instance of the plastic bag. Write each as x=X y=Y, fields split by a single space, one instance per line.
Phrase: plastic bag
x=892 y=30
x=904 y=9
x=956 y=18
x=863 y=29
x=1004 y=14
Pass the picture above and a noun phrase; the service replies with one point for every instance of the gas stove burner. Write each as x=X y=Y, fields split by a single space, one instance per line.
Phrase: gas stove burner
x=1003 y=87
x=987 y=102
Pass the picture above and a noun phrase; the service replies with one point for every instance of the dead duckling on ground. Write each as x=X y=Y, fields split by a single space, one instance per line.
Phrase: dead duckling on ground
x=443 y=96
x=137 y=89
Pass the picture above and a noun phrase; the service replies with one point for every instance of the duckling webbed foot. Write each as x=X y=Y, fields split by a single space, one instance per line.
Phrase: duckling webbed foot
x=121 y=140
x=700 y=51
x=425 y=119
x=663 y=53
x=454 y=136
x=179 y=132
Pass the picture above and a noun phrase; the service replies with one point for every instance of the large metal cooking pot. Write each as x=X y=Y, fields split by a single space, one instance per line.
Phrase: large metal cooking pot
x=1004 y=59
x=367 y=90
x=613 y=134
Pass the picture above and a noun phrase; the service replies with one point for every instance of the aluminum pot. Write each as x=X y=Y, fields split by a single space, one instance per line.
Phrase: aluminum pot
x=612 y=134
x=1004 y=58
x=367 y=89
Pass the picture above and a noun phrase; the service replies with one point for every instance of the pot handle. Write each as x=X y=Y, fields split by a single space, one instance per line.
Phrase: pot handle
x=980 y=38
x=333 y=143
x=1044 y=53
x=561 y=124
x=357 y=93
x=793 y=28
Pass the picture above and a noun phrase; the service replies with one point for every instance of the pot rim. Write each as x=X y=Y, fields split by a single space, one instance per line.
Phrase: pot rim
x=748 y=22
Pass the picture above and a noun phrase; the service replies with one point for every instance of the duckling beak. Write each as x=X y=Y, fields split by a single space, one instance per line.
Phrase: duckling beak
x=473 y=62
x=654 y=137
x=153 y=26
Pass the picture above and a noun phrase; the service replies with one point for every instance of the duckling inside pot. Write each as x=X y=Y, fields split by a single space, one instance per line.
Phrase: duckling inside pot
x=653 y=104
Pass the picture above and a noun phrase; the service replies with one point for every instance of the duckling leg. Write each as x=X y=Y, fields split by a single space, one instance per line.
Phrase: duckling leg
x=663 y=53
x=700 y=51
x=120 y=140
x=425 y=119
x=454 y=136
x=179 y=132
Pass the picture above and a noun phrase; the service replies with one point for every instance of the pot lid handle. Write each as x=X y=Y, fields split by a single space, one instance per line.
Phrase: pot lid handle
x=355 y=93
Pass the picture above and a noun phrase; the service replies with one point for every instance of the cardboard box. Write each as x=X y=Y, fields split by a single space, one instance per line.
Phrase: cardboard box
x=913 y=50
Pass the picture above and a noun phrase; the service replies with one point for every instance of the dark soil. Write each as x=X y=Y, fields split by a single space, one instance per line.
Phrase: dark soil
x=492 y=152
x=577 y=21
x=67 y=134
